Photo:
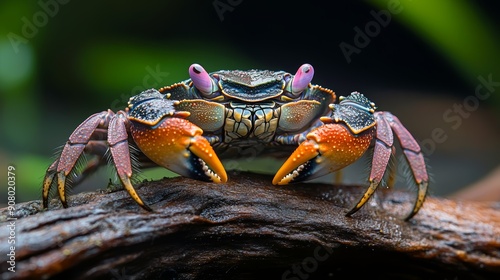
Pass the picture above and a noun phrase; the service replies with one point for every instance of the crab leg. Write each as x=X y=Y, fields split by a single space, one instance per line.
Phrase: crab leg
x=47 y=182
x=98 y=149
x=414 y=157
x=70 y=154
x=381 y=155
x=391 y=180
x=118 y=145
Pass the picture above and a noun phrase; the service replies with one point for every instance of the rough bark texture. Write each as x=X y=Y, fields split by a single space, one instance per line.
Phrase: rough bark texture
x=249 y=228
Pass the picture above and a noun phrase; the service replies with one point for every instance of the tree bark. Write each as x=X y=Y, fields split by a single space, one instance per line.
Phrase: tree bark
x=248 y=229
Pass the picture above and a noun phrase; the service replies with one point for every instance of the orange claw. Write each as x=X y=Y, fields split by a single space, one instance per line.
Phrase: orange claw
x=328 y=148
x=306 y=151
x=201 y=148
x=177 y=145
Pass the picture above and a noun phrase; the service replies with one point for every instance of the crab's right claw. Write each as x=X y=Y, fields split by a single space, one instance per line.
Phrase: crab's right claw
x=328 y=148
x=178 y=145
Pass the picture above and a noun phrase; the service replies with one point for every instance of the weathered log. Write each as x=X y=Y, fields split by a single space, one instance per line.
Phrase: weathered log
x=249 y=229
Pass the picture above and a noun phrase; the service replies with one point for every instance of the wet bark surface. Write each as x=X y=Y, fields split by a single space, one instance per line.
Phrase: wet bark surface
x=250 y=229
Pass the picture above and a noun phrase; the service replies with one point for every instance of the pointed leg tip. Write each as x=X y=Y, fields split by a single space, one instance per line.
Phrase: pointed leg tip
x=422 y=193
x=141 y=203
x=146 y=207
x=129 y=188
x=47 y=185
x=45 y=203
x=366 y=196
x=61 y=188
x=409 y=217
x=351 y=212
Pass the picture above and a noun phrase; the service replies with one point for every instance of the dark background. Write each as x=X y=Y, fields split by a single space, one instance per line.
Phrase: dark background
x=86 y=56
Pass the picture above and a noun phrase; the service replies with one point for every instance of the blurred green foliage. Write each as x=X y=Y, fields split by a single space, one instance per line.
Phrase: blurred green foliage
x=445 y=24
x=144 y=66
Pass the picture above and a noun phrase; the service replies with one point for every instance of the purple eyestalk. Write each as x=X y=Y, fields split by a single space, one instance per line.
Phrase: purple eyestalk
x=201 y=80
x=302 y=78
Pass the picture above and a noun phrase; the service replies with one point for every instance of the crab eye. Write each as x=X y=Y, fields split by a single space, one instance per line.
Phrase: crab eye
x=201 y=80
x=302 y=78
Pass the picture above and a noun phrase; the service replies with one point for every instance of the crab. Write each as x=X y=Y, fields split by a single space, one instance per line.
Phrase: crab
x=190 y=126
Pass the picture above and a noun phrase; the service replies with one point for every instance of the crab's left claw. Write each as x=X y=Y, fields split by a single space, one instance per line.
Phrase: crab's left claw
x=178 y=145
x=328 y=148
